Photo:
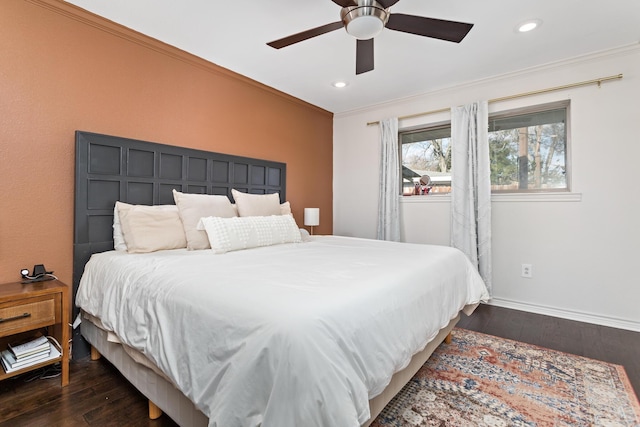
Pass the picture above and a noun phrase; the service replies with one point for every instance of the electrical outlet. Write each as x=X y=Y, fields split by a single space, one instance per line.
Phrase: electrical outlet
x=527 y=271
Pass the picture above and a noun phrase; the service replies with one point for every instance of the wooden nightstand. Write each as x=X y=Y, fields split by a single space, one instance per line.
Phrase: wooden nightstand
x=31 y=307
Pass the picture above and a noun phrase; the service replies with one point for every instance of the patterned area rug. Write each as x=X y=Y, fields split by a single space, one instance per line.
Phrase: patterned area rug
x=482 y=380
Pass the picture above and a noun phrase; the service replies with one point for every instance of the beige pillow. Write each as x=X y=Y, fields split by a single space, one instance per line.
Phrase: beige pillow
x=232 y=234
x=256 y=204
x=150 y=228
x=192 y=207
x=285 y=209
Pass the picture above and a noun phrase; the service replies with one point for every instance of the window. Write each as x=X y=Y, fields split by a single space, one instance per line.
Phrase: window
x=527 y=149
x=426 y=152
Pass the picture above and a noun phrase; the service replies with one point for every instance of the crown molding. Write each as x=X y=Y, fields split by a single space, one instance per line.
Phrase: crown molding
x=621 y=51
x=100 y=23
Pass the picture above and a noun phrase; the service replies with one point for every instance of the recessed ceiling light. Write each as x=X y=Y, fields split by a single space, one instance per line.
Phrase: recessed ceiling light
x=339 y=84
x=528 y=25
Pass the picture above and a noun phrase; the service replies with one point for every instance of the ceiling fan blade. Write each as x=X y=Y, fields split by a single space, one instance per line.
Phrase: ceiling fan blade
x=295 y=38
x=429 y=27
x=364 y=56
x=345 y=3
x=387 y=3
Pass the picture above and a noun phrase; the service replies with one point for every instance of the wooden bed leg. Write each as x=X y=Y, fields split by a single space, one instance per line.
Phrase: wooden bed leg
x=154 y=411
x=95 y=354
x=447 y=339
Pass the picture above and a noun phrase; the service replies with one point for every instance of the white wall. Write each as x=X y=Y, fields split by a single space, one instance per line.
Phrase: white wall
x=583 y=247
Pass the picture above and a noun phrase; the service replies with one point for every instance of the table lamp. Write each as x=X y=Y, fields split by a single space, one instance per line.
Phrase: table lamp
x=311 y=217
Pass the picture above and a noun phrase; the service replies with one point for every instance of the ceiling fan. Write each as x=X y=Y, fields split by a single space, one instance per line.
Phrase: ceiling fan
x=365 y=19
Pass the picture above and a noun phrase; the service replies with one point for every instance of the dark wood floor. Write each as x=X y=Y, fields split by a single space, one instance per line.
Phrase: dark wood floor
x=98 y=396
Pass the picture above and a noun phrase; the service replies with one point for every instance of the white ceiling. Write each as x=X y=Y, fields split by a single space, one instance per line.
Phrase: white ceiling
x=234 y=33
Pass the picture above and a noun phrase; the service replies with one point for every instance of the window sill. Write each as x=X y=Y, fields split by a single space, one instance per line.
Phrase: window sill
x=500 y=197
x=427 y=198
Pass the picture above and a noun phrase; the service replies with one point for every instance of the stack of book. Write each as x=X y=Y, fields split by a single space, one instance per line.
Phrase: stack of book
x=18 y=357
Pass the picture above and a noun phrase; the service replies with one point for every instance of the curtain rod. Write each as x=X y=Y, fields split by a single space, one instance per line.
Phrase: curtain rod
x=519 y=95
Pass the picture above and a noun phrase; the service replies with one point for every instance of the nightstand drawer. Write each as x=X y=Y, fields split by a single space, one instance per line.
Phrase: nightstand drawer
x=28 y=314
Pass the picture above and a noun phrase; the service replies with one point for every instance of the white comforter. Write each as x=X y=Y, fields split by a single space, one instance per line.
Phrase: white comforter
x=297 y=335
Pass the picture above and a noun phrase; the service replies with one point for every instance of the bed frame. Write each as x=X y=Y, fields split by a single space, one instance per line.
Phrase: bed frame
x=111 y=168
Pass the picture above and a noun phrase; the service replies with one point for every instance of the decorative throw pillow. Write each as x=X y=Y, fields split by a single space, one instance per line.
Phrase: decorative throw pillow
x=150 y=228
x=256 y=204
x=192 y=207
x=232 y=234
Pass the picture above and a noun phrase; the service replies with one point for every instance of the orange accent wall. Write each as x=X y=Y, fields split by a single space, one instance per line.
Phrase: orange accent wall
x=63 y=69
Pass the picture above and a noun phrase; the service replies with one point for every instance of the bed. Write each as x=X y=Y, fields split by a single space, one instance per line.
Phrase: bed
x=315 y=331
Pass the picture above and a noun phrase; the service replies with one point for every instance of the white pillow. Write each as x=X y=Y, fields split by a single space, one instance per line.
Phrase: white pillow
x=192 y=207
x=256 y=204
x=232 y=234
x=150 y=228
x=118 y=241
x=304 y=235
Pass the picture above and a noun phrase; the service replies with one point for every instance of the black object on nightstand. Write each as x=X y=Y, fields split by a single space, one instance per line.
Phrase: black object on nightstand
x=40 y=274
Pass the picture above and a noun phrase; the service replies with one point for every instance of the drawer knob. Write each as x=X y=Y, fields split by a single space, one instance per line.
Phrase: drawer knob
x=19 y=316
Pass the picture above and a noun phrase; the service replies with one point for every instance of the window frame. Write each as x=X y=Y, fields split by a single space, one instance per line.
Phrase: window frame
x=530 y=109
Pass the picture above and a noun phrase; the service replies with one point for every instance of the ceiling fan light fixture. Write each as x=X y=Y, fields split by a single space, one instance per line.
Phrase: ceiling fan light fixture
x=365 y=27
x=366 y=20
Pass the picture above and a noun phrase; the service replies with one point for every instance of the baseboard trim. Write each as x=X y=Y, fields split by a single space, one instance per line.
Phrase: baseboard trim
x=567 y=314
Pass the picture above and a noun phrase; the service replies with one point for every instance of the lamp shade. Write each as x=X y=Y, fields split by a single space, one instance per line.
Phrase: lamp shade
x=311 y=216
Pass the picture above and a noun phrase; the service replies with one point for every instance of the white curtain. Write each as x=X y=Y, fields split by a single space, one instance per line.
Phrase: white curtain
x=471 y=185
x=389 y=188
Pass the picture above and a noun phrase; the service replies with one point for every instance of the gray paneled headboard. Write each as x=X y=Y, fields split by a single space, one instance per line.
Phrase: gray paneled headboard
x=110 y=168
